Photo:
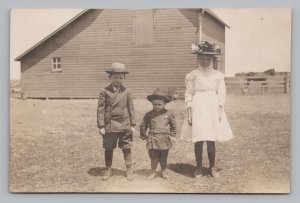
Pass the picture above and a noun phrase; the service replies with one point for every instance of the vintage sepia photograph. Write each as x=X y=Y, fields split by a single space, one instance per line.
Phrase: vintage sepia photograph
x=161 y=100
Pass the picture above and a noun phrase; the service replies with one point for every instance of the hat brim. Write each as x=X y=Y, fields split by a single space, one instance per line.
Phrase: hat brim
x=159 y=97
x=114 y=71
x=117 y=68
x=206 y=53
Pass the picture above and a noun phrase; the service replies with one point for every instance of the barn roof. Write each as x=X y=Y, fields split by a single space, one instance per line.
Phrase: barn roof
x=51 y=34
x=216 y=17
x=210 y=12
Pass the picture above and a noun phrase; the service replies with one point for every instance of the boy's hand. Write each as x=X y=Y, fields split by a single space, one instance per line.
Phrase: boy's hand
x=173 y=140
x=102 y=131
x=133 y=129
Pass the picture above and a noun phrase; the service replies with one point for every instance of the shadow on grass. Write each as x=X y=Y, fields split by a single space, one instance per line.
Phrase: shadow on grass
x=188 y=170
x=143 y=172
x=183 y=169
x=99 y=171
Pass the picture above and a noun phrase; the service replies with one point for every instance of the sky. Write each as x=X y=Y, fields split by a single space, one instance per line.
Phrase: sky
x=258 y=38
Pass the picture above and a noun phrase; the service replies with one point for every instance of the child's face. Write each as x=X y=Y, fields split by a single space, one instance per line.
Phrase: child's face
x=205 y=60
x=116 y=79
x=158 y=105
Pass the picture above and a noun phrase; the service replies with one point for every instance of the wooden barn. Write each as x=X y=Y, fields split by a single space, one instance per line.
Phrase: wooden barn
x=154 y=44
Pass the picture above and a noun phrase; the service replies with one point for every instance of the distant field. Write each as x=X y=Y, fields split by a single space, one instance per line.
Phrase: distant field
x=55 y=147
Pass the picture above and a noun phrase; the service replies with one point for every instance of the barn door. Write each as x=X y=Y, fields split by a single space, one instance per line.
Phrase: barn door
x=143 y=28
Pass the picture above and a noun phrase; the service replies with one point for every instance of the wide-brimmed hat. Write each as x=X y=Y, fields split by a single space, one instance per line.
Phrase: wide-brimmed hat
x=206 y=48
x=117 y=68
x=159 y=95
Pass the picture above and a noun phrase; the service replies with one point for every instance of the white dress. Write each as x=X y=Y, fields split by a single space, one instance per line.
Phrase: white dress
x=205 y=91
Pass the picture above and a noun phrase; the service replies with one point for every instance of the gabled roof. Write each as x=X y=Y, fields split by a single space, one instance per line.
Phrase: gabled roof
x=51 y=34
x=80 y=14
x=210 y=12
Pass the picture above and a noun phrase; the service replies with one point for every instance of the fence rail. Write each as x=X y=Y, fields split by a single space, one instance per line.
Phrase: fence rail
x=258 y=84
x=277 y=84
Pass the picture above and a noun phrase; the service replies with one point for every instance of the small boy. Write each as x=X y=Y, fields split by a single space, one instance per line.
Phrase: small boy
x=116 y=118
x=161 y=126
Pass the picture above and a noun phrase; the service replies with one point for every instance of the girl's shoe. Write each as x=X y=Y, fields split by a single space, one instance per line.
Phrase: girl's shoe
x=213 y=172
x=164 y=174
x=152 y=175
x=198 y=173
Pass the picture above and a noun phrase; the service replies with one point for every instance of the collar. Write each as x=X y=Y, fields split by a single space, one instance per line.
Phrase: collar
x=160 y=112
x=209 y=69
x=113 y=89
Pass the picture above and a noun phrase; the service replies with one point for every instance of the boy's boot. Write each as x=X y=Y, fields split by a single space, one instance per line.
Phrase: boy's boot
x=108 y=163
x=152 y=175
x=164 y=173
x=163 y=163
x=107 y=174
x=128 y=162
x=129 y=173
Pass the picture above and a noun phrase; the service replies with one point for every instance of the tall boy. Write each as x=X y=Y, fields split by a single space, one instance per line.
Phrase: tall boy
x=116 y=118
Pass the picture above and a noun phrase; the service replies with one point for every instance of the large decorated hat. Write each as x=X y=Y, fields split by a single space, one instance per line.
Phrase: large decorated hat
x=206 y=48
x=159 y=95
x=117 y=68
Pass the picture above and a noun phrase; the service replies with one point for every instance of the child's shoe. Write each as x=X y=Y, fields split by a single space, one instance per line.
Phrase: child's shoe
x=164 y=174
x=152 y=175
x=213 y=172
x=107 y=174
x=129 y=174
x=198 y=173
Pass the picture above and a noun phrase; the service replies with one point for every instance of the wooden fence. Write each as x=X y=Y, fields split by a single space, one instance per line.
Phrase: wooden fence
x=258 y=84
x=239 y=85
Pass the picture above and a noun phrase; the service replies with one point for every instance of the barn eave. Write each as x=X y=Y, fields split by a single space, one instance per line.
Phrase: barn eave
x=19 y=58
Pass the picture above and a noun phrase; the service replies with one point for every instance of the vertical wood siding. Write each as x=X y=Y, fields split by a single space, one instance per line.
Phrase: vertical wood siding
x=99 y=37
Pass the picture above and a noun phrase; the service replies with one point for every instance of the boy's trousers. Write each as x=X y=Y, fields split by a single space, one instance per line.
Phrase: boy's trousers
x=158 y=156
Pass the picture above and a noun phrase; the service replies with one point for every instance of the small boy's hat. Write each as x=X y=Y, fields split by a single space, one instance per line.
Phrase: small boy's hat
x=117 y=68
x=205 y=48
x=159 y=95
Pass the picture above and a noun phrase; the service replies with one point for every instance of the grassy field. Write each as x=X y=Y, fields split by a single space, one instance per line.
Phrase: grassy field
x=55 y=147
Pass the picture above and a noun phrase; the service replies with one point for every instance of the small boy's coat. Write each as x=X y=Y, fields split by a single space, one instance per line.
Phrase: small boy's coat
x=161 y=126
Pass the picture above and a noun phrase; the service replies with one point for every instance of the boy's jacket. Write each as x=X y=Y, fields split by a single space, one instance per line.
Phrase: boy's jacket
x=160 y=125
x=115 y=111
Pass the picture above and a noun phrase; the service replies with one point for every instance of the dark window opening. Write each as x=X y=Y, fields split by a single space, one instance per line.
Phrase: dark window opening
x=56 y=64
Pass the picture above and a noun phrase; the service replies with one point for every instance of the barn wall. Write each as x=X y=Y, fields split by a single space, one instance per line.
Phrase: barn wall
x=214 y=31
x=98 y=38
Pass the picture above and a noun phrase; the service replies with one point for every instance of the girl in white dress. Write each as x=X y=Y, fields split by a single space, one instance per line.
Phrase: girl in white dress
x=205 y=99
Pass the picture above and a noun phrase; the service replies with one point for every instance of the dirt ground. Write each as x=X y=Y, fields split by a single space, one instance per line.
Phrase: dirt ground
x=55 y=147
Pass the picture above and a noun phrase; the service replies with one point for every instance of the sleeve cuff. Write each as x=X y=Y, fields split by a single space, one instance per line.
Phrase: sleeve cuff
x=189 y=104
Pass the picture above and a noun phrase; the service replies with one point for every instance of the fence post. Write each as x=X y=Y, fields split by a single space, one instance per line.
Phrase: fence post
x=287 y=83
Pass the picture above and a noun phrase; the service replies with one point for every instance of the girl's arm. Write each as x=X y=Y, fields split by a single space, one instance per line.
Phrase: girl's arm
x=189 y=90
x=221 y=91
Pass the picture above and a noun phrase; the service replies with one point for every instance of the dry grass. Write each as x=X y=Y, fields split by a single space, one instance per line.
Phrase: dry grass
x=55 y=147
